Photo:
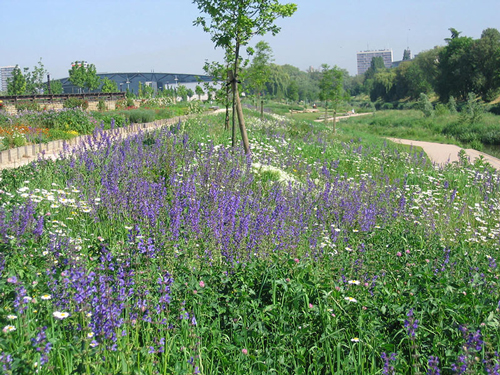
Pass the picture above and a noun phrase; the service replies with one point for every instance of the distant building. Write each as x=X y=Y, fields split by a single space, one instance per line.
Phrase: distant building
x=5 y=73
x=130 y=81
x=365 y=59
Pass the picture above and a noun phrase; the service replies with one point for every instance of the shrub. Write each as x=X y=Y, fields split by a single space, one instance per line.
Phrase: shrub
x=76 y=103
x=473 y=111
x=109 y=120
x=452 y=105
x=426 y=105
x=101 y=105
x=27 y=106
x=121 y=104
x=387 y=106
x=141 y=115
x=442 y=110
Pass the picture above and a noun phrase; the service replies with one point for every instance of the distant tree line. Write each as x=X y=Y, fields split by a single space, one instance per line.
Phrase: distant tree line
x=462 y=66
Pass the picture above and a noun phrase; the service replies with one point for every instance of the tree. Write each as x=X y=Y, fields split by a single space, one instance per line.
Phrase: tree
x=16 y=85
x=220 y=93
x=34 y=80
x=278 y=81
x=231 y=24
x=84 y=75
x=260 y=69
x=92 y=80
x=182 y=92
x=56 y=87
x=109 y=85
x=199 y=91
x=376 y=65
x=331 y=88
x=292 y=92
x=457 y=75
x=487 y=50
x=190 y=93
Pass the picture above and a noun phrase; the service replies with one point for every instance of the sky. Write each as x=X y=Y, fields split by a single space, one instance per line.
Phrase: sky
x=158 y=35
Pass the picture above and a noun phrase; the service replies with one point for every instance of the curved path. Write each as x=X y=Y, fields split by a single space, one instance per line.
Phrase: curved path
x=442 y=153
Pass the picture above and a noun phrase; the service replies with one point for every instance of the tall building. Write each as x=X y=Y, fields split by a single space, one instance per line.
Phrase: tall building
x=5 y=72
x=365 y=59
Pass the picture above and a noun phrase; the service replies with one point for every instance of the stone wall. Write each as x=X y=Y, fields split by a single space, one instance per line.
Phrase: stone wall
x=110 y=105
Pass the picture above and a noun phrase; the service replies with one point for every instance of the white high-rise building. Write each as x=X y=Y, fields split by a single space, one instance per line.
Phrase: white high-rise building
x=5 y=72
x=365 y=59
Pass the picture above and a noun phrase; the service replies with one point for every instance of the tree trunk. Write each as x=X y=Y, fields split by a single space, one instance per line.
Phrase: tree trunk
x=239 y=111
x=326 y=113
x=334 y=120
x=261 y=109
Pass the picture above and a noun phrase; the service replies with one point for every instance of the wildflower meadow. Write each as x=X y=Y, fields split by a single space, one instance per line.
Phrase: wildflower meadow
x=173 y=253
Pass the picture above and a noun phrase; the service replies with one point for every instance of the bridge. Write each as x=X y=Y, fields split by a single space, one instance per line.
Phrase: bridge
x=131 y=81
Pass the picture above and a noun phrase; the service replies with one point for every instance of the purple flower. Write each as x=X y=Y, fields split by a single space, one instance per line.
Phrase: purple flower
x=411 y=324
x=388 y=363
x=433 y=366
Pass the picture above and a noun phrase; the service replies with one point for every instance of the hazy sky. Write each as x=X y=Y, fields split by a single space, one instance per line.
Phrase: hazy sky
x=146 y=35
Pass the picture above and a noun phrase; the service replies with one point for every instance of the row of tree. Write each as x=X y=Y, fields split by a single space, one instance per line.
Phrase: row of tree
x=462 y=66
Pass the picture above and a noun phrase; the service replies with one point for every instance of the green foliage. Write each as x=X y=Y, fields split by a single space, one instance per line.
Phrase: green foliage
x=56 y=87
x=441 y=110
x=138 y=116
x=110 y=119
x=260 y=69
x=109 y=85
x=473 y=112
x=27 y=105
x=426 y=105
x=84 y=75
x=76 y=103
x=16 y=85
x=199 y=91
x=182 y=92
x=195 y=107
x=34 y=79
x=452 y=105
x=331 y=88
x=101 y=105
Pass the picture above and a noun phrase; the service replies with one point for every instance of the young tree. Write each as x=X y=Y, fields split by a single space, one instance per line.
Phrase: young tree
x=16 y=85
x=260 y=70
x=84 y=75
x=56 y=87
x=92 y=80
x=219 y=92
x=109 y=85
x=232 y=23
x=331 y=88
x=199 y=91
x=34 y=80
x=182 y=92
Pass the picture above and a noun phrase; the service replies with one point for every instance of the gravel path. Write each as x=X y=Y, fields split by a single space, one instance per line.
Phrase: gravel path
x=443 y=153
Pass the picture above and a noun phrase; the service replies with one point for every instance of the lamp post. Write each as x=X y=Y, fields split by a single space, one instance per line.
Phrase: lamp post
x=48 y=83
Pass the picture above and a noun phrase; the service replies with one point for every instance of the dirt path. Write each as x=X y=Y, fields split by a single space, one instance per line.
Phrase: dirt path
x=443 y=153
x=341 y=117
